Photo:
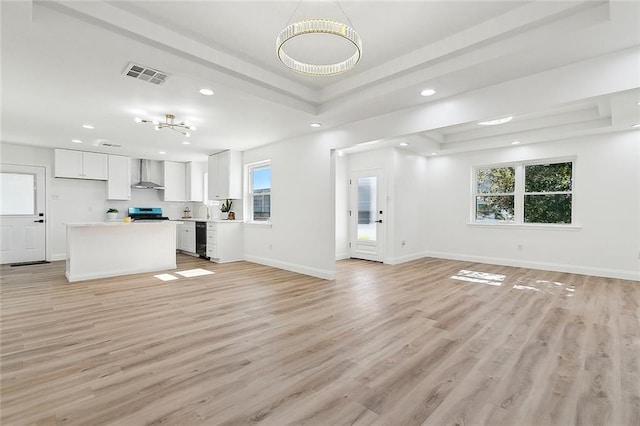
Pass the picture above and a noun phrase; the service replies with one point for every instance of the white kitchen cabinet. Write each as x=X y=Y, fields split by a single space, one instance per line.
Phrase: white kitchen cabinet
x=186 y=239
x=119 y=181
x=224 y=241
x=174 y=181
x=195 y=180
x=225 y=175
x=80 y=165
x=179 y=228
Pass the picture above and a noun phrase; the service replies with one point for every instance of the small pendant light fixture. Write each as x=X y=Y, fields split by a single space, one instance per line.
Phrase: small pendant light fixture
x=169 y=123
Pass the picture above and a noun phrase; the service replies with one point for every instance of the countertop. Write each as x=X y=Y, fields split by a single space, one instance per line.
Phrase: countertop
x=202 y=219
x=121 y=223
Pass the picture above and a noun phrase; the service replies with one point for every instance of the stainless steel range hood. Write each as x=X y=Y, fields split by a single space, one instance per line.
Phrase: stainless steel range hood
x=148 y=176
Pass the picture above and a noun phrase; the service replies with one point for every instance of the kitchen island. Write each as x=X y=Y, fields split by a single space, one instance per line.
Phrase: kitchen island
x=109 y=249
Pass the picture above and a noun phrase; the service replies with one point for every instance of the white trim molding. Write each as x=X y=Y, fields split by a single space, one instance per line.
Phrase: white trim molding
x=300 y=269
x=405 y=258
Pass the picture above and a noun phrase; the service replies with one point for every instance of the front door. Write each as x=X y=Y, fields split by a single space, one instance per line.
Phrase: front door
x=367 y=215
x=22 y=207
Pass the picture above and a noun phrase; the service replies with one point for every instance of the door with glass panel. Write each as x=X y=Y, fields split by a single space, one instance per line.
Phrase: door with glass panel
x=22 y=207
x=367 y=215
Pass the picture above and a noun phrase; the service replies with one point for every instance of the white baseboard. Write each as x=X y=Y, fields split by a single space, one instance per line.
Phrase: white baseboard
x=56 y=257
x=301 y=269
x=405 y=258
x=95 y=275
x=342 y=256
x=558 y=267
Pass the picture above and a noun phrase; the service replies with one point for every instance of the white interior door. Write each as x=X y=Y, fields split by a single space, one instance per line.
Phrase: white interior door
x=367 y=227
x=22 y=207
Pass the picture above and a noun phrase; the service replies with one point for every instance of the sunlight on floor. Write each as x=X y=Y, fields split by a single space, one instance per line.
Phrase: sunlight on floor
x=479 y=277
x=524 y=284
x=194 y=273
x=189 y=273
x=548 y=287
x=166 y=277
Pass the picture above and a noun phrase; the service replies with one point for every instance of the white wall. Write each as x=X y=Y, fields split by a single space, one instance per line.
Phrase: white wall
x=607 y=209
x=410 y=207
x=406 y=203
x=342 y=205
x=77 y=200
x=301 y=237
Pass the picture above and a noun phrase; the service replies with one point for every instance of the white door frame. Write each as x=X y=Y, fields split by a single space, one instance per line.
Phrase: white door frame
x=366 y=249
x=39 y=230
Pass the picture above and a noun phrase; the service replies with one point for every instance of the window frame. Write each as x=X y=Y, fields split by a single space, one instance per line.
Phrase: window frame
x=477 y=194
x=519 y=194
x=249 y=169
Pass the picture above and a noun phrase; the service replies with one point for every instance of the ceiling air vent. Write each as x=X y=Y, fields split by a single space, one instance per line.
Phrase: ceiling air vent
x=108 y=144
x=145 y=73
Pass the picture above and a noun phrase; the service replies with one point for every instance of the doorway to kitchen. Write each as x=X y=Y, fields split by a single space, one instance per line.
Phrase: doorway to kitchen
x=22 y=218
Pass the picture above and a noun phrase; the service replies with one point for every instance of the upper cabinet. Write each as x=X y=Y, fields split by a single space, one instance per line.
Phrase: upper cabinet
x=174 y=181
x=119 y=183
x=225 y=175
x=195 y=180
x=80 y=164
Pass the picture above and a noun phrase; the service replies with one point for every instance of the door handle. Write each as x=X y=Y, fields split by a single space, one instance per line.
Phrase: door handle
x=378 y=221
x=39 y=221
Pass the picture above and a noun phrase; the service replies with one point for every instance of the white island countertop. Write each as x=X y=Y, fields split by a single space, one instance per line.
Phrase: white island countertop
x=203 y=219
x=121 y=223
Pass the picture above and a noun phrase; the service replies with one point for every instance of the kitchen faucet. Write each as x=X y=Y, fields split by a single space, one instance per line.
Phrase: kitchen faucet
x=200 y=209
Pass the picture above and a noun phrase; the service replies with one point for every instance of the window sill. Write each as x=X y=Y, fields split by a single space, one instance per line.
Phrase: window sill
x=537 y=226
x=258 y=224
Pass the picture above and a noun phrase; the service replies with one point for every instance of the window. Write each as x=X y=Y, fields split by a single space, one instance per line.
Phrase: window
x=260 y=191
x=547 y=193
x=18 y=192
x=495 y=194
x=524 y=193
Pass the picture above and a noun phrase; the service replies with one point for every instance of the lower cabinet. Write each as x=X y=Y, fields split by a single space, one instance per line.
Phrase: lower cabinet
x=224 y=241
x=186 y=237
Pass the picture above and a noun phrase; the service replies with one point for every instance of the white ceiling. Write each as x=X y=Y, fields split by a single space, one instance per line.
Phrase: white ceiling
x=554 y=66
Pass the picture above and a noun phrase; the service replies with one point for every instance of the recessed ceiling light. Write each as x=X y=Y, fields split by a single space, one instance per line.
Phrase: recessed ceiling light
x=162 y=152
x=186 y=143
x=138 y=120
x=404 y=144
x=206 y=92
x=427 y=92
x=496 y=121
x=340 y=153
x=515 y=142
x=315 y=124
x=88 y=126
x=434 y=153
x=635 y=126
x=76 y=141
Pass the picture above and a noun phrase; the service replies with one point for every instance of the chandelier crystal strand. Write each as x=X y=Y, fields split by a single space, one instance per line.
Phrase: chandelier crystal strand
x=319 y=26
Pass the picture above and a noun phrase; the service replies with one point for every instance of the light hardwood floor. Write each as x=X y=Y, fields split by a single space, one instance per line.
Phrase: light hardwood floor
x=394 y=345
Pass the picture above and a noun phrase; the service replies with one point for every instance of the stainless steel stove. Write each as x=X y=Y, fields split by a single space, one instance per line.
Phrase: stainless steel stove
x=146 y=214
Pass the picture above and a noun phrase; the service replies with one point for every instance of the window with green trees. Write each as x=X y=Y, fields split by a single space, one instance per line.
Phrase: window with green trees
x=524 y=193
x=495 y=194
x=547 y=193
